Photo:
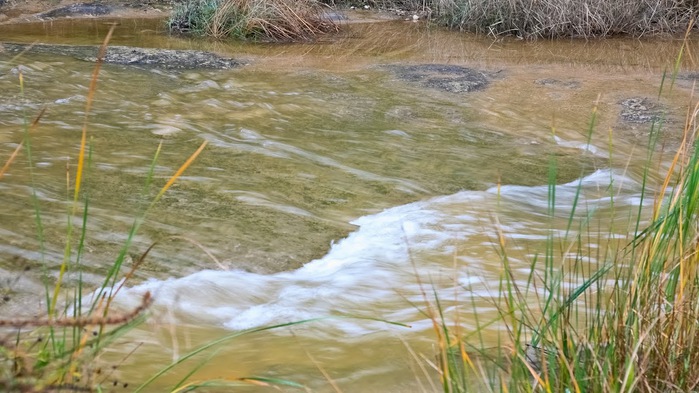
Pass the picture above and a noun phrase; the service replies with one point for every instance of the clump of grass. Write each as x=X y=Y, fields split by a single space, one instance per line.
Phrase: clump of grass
x=638 y=334
x=306 y=19
x=552 y=18
x=564 y=18
x=383 y=4
x=62 y=350
x=279 y=20
x=625 y=323
x=59 y=351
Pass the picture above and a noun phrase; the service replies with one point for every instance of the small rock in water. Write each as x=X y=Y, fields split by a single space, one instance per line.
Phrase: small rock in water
x=165 y=130
x=70 y=99
x=640 y=110
x=144 y=57
x=208 y=84
x=568 y=84
x=20 y=69
x=450 y=78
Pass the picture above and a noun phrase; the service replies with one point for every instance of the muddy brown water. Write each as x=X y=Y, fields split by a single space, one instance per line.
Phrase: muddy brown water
x=330 y=180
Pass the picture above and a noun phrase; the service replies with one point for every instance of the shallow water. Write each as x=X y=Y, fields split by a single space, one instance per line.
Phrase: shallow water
x=330 y=186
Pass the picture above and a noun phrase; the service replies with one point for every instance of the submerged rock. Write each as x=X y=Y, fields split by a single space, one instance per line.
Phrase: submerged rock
x=151 y=57
x=167 y=58
x=640 y=110
x=450 y=78
x=567 y=84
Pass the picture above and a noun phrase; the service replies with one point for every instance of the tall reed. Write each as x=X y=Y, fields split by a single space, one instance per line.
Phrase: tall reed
x=57 y=351
x=563 y=18
x=626 y=322
x=552 y=18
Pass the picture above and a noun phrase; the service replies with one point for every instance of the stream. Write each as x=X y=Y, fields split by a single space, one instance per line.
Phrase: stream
x=335 y=183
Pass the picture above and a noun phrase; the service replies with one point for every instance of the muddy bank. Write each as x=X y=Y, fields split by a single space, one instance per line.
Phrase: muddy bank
x=148 y=57
x=22 y=11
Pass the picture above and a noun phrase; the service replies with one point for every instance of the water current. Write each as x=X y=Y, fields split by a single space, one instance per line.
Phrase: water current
x=331 y=185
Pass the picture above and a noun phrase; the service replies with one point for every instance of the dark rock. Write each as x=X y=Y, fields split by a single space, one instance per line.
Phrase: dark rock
x=146 y=57
x=640 y=110
x=450 y=78
x=79 y=9
x=167 y=58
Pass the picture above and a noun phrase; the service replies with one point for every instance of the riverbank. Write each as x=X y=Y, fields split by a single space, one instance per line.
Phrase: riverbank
x=23 y=11
x=280 y=20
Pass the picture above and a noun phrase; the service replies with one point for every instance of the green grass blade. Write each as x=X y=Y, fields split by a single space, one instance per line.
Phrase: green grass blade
x=219 y=341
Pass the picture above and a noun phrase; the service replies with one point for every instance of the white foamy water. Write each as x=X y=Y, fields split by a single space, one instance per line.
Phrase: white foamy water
x=446 y=241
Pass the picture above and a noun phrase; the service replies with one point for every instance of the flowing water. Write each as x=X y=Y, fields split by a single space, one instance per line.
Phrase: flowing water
x=331 y=185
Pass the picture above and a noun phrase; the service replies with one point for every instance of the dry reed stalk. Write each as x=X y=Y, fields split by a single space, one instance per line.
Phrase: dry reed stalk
x=14 y=154
x=565 y=18
x=95 y=320
x=280 y=20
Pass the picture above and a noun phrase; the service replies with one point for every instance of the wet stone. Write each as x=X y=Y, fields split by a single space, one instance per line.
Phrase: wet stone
x=449 y=78
x=569 y=84
x=168 y=58
x=150 y=57
x=79 y=9
x=639 y=110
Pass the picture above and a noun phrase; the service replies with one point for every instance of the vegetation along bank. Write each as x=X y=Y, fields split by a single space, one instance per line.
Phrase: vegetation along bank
x=303 y=19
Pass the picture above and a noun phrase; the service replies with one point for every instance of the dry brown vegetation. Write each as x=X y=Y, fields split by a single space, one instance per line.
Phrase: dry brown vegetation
x=566 y=18
x=306 y=19
x=282 y=20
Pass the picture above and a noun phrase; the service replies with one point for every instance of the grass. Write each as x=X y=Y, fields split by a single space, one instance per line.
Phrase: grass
x=618 y=318
x=61 y=350
x=562 y=18
x=278 y=20
x=306 y=19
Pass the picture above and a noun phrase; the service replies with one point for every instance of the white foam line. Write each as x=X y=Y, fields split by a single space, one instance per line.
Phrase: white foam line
x=372 y=271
